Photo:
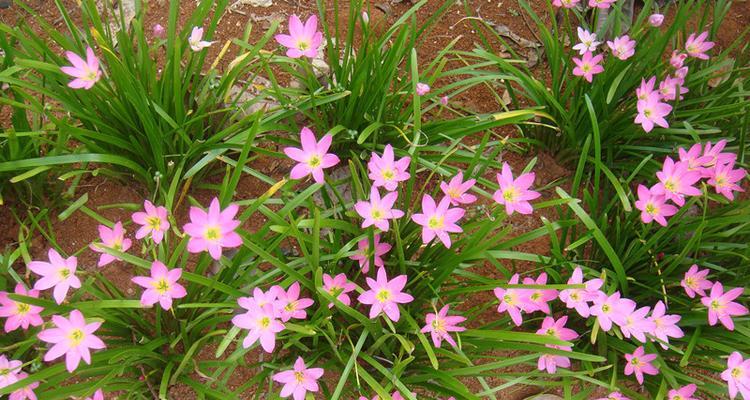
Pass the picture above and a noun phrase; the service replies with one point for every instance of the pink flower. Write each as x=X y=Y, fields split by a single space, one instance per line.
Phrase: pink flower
x=694 y=157
x=378 y=211
x=514 y=194
x=298 y=381
x=721 y=307
x=313 y=157
x=550 y=362
x=364 y=253
x=737 y=375
x=609 y=309
x=601 y=3
x=669 y=87
x=338 y=287
x=724 y=179
x=113 y=239
x=438 y=220
x=86 y=73
x=161 y=286
x=698 y=46
x=565 y=3
x=637 y=324
x=440 y=325
x=158 y=31
x=680 y=74
x=444 y=100
x=656 y=20
x=683 y=393
x=537 y=299
x=677 y=59
x=665 y=326
x=9 y=370
x=260 y=321
x=653 y=206
x=652 y=112
x=695 y=281
x=384 y=296
x=72 y=337
x=588 y=66
x=422 y=89
x=59 y=273
x=456 y=190
x=386 y=171
x=153 y=220
x=646 y=90
x=213 y=230
x=557 y=329
x=588 y=41
x=20 y=314
x=614 y=396
x=98 y=395
x=302 y=40
x=26 y=392
x=512 y=300
x=579 y=298
x=622 y=47
x=715 y=156
x=290 y=305
x=196 y=41
x=676 y=181
x=640 y=363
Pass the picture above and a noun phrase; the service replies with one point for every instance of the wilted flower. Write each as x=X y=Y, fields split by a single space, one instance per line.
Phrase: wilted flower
x=20 y=314
x=364 y=253
x=456 y=190
x=114 y=239
x=153 y=221
x=161 y=286
x=441 y=324
x=653 y=206
x=338 y=287
x=514 y=194
x=444 y=100
x=213 y=230
x=302 y=40
x=378 y=211
x=695 y=281
x=158 y=30
x=59 y=273
x=622 y=47
x=698 y=46
x=677 y=59
x=384 y=296
x=86 y=73
x=720 y=306
x=72 y=337
x=588 y=66
x=299 y=380
x=386 y=171
x=422 y=89
x=737 y=375
x=196 y=41
x=588 y=41
x=640 y=363
x=313 y=157
x=656 y=20
x=438 y=220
